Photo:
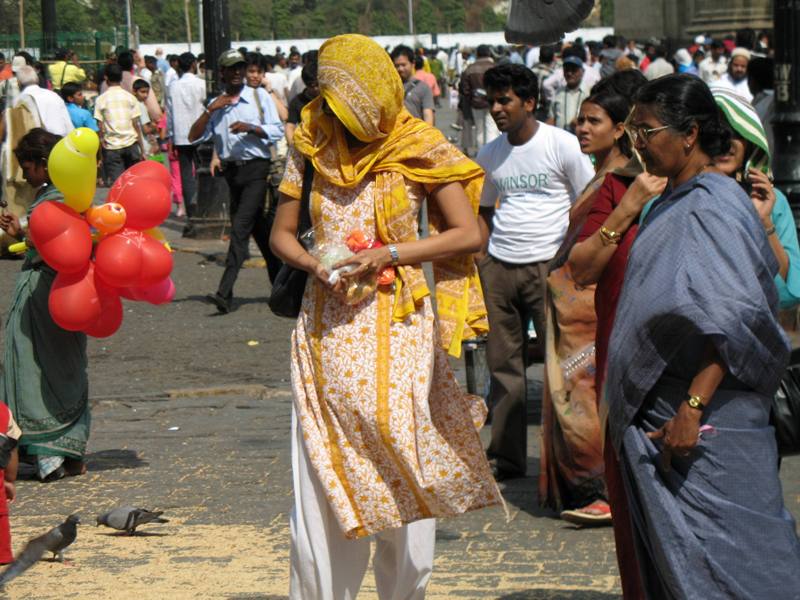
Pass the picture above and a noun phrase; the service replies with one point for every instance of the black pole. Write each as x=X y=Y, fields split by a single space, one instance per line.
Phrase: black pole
x=210 y=218
x=786 y=122
x=49 y=42
x=216 y=39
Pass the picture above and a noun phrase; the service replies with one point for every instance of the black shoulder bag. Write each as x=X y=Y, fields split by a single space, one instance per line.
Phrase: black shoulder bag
x=289 y=285
x=785 y=417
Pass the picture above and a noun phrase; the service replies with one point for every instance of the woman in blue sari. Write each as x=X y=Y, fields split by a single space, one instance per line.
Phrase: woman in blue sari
x=695 y=357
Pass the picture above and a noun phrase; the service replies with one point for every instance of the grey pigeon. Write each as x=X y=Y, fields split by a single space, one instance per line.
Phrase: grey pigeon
x=55 y=541
x=128 y=518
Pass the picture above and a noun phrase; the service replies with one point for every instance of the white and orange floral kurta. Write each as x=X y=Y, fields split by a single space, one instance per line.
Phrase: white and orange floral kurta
x=390 y=434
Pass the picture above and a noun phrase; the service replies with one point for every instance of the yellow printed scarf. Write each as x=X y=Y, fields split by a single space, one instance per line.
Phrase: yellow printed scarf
x=358 y=82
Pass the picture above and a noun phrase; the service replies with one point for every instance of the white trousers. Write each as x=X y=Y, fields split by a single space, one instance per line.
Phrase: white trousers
x=485 y=129
x=325 y=565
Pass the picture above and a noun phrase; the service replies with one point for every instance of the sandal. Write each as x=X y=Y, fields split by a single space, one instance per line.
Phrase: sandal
x=74 y=467
x=596 y=513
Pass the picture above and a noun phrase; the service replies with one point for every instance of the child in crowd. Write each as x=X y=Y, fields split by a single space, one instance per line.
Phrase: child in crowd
x=72 y=93
x=173 y=165
x=141 y=89
x=9 y=461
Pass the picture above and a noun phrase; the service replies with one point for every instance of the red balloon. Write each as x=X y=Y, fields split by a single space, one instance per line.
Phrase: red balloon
x=74 y=302
x=132 y=259
x=61 y=236
x=146 y=201
x=158 y=293
x=110 y=318
x=118 y=258
x=150 y=169
x=156 y=262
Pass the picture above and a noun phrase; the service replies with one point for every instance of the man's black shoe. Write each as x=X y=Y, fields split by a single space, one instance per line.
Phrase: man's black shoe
x=189 y=231
x=223 y=305
x=503 y=475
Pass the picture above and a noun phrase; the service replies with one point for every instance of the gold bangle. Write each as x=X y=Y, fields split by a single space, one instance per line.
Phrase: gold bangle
x=609 y=237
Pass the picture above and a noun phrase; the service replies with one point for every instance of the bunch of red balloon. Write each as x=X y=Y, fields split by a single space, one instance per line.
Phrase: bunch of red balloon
x=126 y=257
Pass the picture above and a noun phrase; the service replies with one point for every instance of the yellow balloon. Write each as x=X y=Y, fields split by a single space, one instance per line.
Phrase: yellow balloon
x=159 y=236
x=73 y=167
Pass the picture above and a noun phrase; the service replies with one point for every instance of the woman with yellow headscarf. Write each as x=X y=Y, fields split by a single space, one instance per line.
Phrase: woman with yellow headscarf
x=384 y=439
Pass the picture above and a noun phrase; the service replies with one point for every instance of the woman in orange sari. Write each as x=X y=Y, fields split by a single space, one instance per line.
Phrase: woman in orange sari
x=384 y=440
x=571 y=474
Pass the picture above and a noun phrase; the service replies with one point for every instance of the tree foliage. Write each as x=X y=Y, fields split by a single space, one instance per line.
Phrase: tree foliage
x=164 y=20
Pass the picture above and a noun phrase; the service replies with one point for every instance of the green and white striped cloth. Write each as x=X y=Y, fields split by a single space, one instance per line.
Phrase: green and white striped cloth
x=742 y=117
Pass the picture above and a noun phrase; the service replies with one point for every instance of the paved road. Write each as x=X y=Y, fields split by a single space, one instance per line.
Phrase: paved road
x=191 y=415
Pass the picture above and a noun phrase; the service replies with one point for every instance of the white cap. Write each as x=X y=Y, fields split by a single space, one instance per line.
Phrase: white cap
x=682 y=57
x=700 y=39
x=17 y=62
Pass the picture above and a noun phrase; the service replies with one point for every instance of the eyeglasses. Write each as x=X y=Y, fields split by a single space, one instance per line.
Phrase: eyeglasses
x=644 y=133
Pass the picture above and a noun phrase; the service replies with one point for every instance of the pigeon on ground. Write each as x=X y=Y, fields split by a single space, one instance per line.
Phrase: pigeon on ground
x=128 y=518
x=55 y=541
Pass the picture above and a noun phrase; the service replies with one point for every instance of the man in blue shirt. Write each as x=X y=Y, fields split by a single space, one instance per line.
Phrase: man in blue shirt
x=243 y=123
x=72 y=93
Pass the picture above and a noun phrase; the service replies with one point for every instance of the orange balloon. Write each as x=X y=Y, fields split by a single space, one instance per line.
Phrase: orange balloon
x=106 y=218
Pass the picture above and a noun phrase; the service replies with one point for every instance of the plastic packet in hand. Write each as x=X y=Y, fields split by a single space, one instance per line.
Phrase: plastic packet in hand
x=331 y=252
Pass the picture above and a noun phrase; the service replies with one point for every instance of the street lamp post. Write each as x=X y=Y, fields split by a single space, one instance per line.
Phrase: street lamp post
x=786 y=122
x=21 y=24
x=211 y=214
x=216 y=39
x=411 y=17
x=48 y=27
x=200 y=23
x=129 y=24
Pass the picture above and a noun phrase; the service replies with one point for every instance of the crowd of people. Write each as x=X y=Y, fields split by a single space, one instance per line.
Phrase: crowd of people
x=619 y=207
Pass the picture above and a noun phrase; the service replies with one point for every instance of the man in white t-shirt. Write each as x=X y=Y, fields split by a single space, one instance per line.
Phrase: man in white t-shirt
x=277 y=82
x=713 y=67
x=534 y=172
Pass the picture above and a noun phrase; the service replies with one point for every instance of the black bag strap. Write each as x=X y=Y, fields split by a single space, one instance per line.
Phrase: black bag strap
x=305 y=199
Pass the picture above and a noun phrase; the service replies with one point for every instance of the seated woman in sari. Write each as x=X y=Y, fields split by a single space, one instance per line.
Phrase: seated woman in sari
x=571 y=466
x=44 y=381
x=694 y=358
x=748 y=162
x=383 y=438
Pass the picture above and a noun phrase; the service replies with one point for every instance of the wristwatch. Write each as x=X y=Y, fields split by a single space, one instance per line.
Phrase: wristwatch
x=696 y=402
x=393 y=253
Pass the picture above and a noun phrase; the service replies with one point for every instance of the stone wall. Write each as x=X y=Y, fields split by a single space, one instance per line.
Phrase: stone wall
x=681 y=20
